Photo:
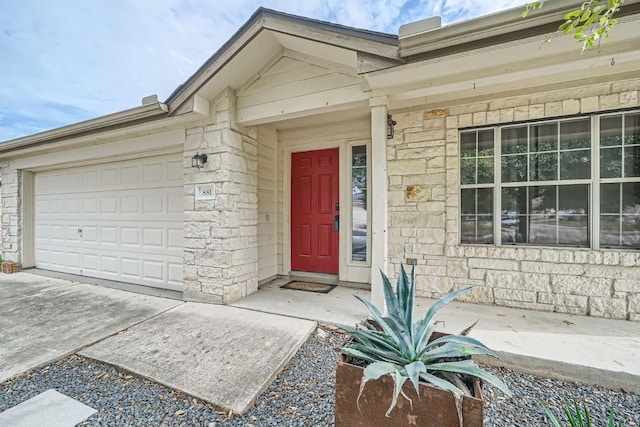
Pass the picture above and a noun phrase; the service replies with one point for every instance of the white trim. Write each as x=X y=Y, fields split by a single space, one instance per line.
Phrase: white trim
x=594 y=207
x=379 y=182
x=142 y=146
x=27 y=236
x=355 y=271
x=92 y=125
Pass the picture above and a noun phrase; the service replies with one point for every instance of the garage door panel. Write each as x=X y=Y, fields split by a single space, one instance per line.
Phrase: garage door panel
x=119 y=221
x=175 y=239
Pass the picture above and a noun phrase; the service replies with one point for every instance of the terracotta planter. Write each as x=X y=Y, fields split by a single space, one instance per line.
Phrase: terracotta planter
x=434 y=408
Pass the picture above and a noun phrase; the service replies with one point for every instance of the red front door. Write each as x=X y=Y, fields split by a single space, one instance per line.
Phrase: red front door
x=314 y=208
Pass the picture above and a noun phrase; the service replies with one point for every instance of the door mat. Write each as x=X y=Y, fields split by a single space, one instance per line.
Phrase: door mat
x=320 y=288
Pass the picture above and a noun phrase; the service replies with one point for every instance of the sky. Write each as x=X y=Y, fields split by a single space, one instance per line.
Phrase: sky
x=64 y=61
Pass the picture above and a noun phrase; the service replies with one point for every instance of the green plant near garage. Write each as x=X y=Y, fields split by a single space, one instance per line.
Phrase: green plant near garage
x=396 y=346
x=577 y=415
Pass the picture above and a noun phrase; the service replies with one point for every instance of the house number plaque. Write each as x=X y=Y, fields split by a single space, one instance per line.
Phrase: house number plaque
x=205 y=192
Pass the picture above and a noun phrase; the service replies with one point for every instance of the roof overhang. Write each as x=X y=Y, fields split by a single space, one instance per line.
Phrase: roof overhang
x=508 y=68
x=137 y=115
x=494 y=28
x=267 y=34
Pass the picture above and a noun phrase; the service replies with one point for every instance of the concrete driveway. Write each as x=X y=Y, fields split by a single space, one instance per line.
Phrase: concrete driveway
x=43 y=319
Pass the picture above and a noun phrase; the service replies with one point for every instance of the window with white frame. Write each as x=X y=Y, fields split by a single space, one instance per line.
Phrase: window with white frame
x=549 y=187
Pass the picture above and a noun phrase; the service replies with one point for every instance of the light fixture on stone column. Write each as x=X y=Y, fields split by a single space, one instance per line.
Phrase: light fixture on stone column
x=198 y=160
x=390 y=126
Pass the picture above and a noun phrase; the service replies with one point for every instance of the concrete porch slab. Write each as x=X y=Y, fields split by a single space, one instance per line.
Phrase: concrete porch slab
x=569 y=347
x=44 y=319
x=221 y=354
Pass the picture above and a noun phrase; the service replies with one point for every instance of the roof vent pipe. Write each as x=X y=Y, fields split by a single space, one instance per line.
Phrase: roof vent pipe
x=408 y=30
x=151 y=99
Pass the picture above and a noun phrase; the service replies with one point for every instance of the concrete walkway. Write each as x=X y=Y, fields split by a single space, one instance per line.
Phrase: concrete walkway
x=564 y=346
x=224 y=355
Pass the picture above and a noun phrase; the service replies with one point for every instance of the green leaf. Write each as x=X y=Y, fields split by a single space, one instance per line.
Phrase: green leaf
x=378 y=369
x=389 y=297
x=440 y=383
x=382 y=321
x=413 y=371
x=571 y=14
x=452 y=351
x=458 y=339
x=357 y=353
x=399 y=381
x=469 y=367
x=442 y=302
x=551 y=416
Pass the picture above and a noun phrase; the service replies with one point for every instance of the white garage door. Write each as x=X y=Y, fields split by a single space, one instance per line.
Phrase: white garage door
x=119 y=221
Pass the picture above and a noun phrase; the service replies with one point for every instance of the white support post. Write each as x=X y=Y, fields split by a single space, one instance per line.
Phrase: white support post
x=379 y=206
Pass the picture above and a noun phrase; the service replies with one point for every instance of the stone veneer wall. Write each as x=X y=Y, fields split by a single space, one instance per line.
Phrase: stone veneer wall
x=423 y=169
x=220 y=236
x=11 y=218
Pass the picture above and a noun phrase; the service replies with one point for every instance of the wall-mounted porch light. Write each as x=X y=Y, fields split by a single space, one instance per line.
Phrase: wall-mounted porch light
x=198 y=160
x=390 y=126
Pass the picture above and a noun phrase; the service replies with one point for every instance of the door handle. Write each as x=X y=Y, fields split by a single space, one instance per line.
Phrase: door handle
x=336 y=222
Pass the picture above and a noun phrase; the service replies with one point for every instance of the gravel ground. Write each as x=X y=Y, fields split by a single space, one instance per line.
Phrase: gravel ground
x=303 y=395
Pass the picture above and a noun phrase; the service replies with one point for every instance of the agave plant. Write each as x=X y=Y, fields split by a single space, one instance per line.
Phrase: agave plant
x=578 y=415
x=402 y=348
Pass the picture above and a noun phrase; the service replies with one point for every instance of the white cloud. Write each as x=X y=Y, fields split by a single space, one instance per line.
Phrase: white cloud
x=63 y=61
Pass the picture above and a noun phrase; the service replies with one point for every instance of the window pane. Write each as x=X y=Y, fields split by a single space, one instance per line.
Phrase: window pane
x=514 y=140
x=485 y=170
x=359 y=217
x=485 y=229
x=632 y=129
x=575 y=164
x=574 y=231
x=620 y=215
x=609 y=230
x=542 y=200
x=575 y=134
x=611 y=162
x=514 y=168
x=573 y=200
x=514 y=225
x=611 y=131
x=630 y=231
x=630 y=218
x=485 y=201
x=477 y=215
x=632 y=161
x=468 y=144
x=485 y=143
x=543 y=167
x=544 y=137
x=610 y=198
x=468 y=201
x=468 y=171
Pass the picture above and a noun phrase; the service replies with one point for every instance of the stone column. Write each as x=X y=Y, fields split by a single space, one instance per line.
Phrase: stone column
x=379 y=235
x=221 y=247
x=11 y=213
